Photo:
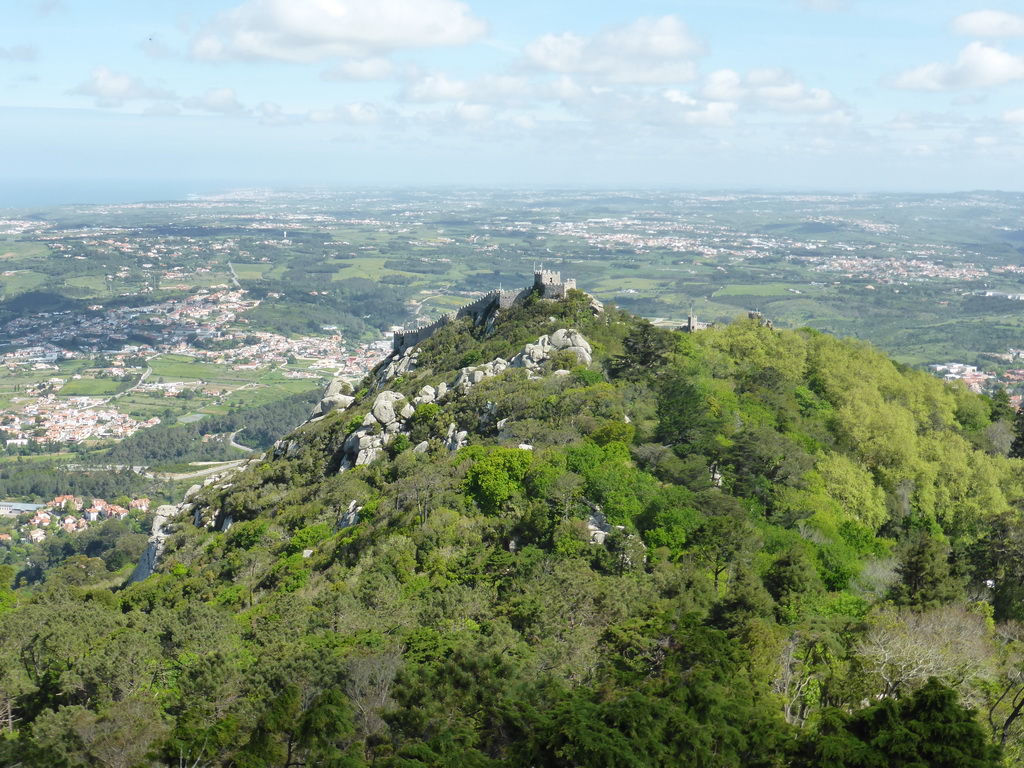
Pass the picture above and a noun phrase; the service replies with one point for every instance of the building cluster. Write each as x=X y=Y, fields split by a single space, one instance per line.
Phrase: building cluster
x=49 y=336
x=975 y=379
x=50 y=419
x=261 y=349
x=896 y=269
x=67 y=513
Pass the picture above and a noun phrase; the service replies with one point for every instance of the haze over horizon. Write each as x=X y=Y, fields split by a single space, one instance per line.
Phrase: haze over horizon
x=121 y=101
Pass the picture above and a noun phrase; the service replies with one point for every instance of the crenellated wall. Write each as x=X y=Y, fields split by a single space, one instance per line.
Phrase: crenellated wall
x=548 y=284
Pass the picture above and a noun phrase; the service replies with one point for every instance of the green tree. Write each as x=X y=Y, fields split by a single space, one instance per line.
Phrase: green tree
x=791 y=575
x=498 y=477
x=925 y=578
x=1017 y=446
x=1000 y=408
x=646 y=348
x=930 y=728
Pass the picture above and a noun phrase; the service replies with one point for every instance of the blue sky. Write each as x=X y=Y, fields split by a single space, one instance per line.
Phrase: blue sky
x=168 y=96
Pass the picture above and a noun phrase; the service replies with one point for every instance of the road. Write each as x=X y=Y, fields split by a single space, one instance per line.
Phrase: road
x=231 y=440
x=215 y=466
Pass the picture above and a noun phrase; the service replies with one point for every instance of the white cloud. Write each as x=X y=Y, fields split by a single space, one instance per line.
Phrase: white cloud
x=18 y=53
x=271 y=113
x=915 y=121
x=356 y=113
x=113 y=89
x=838 y=118
x=969 y=100
x=646 y=51
x=989 y=24
x=375 y=68
x=501 y=90
x=221 y=100
x=919 y=150
x=978 y=66
x=715 y=113
x=565 y=89
x=767 y=88
x=904 y=121
x=1014 y=116
x=434 y=88
x=524 y=123
x=313 y=30
x=473 y=113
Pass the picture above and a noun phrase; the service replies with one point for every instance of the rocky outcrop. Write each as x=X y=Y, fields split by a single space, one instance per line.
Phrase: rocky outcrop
x=388 y=416
x=333 y=397
x=399 y=363
x=431 y=394
x=391 y=412
x=157 y=541
x=475 y=374
x=631 y=549
x=454 y=439
x=564 y=339
x=350 y=517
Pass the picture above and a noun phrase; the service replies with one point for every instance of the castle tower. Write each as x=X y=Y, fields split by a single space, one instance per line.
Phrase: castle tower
x=549 y=284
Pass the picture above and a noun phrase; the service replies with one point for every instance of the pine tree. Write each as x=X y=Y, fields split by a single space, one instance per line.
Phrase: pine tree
x=1017 y=446
x=999 y=406
x=925 y=576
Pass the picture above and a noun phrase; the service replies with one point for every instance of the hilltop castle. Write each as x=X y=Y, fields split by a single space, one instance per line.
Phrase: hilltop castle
x=546 y=284
x=550 y=285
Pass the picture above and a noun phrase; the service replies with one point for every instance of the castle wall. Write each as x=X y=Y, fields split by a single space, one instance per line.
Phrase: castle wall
x=548 y=284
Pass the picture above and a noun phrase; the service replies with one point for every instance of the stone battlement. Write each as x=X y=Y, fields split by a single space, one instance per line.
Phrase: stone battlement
x=549 y=285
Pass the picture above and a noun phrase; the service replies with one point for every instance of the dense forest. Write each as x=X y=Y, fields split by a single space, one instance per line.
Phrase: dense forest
x=34 y=479
x=812 y=557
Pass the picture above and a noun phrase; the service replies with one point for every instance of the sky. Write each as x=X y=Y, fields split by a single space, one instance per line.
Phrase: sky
x=156 y=99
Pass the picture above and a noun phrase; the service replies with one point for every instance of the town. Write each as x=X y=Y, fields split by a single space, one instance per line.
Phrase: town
x=131 y=342
x=33 y=523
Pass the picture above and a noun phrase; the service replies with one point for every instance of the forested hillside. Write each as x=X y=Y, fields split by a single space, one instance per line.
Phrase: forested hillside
x=737 y=547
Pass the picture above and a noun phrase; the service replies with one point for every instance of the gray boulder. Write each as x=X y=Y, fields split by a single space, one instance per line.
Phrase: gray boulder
x=330 y=402
x=384 y=406
x=336 y=387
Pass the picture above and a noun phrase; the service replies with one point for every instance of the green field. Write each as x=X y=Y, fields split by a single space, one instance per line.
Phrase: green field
x=185 y=368
x=96 y=283
x=21 y=281
x=252 y=271
x=369 y=267
x=764 y=289
x=92 y=387
x=10 y=249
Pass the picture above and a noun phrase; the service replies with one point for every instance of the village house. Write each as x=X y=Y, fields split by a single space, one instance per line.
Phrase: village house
x=115 y=512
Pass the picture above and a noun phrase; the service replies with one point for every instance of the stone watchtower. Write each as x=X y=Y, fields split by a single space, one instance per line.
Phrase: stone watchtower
x=550 y=286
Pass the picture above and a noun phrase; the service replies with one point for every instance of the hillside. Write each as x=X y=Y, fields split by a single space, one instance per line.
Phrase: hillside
x=552 y=536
